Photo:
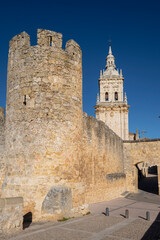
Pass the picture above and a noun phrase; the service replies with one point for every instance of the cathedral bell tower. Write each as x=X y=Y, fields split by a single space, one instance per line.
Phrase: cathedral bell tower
x=111 y=106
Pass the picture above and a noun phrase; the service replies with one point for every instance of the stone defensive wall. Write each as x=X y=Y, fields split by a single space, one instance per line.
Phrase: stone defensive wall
x=56 y=157
x=143 y=151
x=136 y=152
x=102 y=161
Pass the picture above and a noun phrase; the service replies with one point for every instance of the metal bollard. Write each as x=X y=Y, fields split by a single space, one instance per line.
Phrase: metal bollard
x=127 y=213
x=148 y=216
x=107 y=211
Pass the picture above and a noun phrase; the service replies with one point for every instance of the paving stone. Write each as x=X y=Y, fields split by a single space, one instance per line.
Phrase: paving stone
x=57 y=233
x=134 y=230
x=95 y=223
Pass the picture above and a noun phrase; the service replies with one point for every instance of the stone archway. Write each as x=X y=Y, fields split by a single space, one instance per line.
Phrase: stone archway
x=140 y=151
x=147 y=177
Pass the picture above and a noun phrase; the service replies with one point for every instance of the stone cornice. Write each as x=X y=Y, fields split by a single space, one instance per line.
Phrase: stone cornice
x=111 y=78
x=142 y=140
x=123 y=107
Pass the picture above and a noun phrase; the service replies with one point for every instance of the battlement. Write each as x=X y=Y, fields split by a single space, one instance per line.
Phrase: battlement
x=19 y=41
x=45 y=38
x=49 y=38
x=73 y=48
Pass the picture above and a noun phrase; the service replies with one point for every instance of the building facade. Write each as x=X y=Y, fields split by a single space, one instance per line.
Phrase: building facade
x=112 y=107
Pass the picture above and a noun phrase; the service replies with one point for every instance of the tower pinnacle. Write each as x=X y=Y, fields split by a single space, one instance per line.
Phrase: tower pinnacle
x=110 y=60
x=110 y=50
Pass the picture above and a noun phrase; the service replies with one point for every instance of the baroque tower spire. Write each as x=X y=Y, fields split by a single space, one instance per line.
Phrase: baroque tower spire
x=112 y=107
x=110 y=60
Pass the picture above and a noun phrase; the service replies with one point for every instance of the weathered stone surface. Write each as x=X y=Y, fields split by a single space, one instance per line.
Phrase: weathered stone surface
x=59 y=198
x=115 y=176
x=102 y=154
x=43 y=118
x=2 y=145
x=137 y=152
x=47 y=140
x=11 y=214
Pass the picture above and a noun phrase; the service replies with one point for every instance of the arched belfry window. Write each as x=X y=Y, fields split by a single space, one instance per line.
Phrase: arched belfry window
x=116 y=96
x=106 y=96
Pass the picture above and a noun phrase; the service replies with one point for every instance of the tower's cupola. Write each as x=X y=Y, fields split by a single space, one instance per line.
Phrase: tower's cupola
x=110 y=60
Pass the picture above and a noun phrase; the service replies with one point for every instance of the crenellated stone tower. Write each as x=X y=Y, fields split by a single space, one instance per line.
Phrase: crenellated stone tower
x=111 y=106
x=43 y=118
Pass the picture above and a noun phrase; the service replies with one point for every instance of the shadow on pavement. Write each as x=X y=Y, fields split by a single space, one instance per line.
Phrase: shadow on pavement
x=154 y=231
x=149 y=184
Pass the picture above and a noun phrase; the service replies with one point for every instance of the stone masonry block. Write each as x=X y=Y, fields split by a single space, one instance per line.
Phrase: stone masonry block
x=11 y=214
x=2 y=202
x=14 y=201
x=58 y=198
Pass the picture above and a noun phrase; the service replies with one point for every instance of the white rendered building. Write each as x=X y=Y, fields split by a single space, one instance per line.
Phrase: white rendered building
x=111 y=106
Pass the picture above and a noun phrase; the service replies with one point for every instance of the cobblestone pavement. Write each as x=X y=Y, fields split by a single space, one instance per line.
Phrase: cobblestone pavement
x=97 y=226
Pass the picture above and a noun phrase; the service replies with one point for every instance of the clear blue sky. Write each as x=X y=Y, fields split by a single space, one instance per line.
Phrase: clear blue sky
x=133 y=27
